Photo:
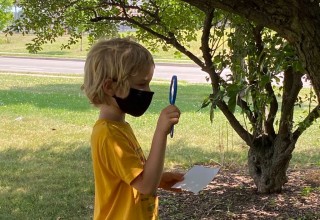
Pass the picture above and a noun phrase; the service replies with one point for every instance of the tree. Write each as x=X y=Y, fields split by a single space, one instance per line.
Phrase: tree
x=254 y=53
x=51 y=19
x=6 y=14
x=298 y=21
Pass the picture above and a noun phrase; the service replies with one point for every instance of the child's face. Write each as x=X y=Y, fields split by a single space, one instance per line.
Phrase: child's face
x=140 y=95
x=141 y=81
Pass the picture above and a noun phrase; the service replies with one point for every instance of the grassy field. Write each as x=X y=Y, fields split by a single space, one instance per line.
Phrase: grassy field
x=16 y=45
x=45 y=156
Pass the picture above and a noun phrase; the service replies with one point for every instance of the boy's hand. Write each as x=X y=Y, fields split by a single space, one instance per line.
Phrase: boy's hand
x=169 y=116
x=168 y=179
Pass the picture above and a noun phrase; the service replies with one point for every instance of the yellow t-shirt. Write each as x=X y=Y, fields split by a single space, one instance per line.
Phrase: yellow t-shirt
x=117 y=161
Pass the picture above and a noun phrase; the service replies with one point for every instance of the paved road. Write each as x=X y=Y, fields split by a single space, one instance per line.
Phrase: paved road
x=186 y=72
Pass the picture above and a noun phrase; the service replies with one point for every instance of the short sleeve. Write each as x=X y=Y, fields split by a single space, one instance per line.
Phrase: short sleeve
x=125 y=160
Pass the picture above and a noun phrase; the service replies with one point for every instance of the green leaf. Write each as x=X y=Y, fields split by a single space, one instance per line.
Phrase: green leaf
x=264 y=80
x=232 y=103
x=205 y=103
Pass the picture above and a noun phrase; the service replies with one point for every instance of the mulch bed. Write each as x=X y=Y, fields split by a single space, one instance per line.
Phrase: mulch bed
x=232 y=195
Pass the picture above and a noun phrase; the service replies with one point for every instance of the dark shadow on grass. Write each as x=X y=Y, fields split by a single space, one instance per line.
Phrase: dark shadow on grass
x=70 y=97
x=53 y=182
x=55 y=96
x=47 y=183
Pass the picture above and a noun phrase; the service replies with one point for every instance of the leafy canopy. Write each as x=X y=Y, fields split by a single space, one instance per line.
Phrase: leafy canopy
x=102 y=19
x=6 y=14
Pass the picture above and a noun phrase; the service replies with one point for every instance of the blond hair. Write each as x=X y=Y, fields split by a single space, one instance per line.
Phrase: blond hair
x=116 y=59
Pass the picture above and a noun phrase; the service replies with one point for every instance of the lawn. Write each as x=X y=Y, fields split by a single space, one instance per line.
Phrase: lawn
x=15 y=45
x=45 y=156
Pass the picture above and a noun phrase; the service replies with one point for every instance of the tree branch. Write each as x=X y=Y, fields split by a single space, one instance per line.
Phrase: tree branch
x=273 y=109
x=307 y=122
x=291 y=87
x=243 y=133
x=174 y=42
x=273 y=14
x=210 y=69
x=170 y=39
x=246 y=109
x=206 y=51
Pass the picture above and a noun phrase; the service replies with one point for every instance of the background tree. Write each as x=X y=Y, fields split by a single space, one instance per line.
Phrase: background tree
x=6 y=14
x=51 y=19
x=254 y=53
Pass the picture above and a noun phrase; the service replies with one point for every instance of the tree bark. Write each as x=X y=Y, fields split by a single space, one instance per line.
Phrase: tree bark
x=267 y=165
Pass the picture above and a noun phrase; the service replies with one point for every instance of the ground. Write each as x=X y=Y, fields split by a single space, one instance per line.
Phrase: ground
x=232 y=195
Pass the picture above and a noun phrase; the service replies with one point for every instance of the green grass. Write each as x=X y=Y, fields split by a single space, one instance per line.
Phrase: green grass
x=16 y=45
x=45 y=156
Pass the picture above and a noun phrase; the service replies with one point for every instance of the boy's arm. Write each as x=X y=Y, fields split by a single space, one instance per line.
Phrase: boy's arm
x=148 y=181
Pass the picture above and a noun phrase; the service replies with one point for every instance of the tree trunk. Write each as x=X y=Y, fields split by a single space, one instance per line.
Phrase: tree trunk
x=298 y=21
x=268 y=163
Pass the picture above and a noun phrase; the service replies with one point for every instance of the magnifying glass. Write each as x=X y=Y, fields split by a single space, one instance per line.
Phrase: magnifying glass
x=173 y=95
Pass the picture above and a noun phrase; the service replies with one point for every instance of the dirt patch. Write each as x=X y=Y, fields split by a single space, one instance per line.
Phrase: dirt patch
x=232 y=195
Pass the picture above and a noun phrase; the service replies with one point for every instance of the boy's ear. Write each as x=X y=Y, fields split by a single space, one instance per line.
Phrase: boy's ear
x=108 y=87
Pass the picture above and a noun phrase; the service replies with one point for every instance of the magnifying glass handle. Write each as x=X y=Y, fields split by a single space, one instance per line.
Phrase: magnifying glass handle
x=172 y=96
x=173 y=90
x=171 y=132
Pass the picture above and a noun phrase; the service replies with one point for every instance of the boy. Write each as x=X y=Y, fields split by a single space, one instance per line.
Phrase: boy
x=117 y=77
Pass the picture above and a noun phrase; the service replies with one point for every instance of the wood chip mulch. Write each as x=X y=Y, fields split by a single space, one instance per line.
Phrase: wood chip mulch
x=232 y=195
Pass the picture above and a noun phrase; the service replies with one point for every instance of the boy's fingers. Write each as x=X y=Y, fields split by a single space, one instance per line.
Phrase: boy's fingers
x=175 y=179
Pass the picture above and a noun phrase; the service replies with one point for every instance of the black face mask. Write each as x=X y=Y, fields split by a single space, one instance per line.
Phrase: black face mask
x=136 y=103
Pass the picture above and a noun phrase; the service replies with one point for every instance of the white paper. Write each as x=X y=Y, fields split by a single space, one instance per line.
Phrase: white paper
x=197 y=178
